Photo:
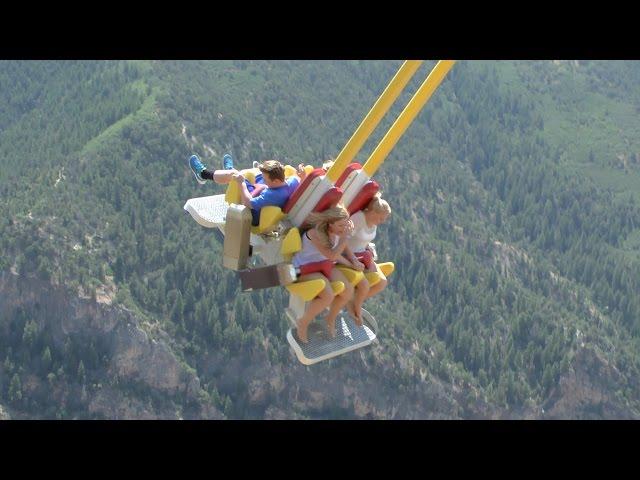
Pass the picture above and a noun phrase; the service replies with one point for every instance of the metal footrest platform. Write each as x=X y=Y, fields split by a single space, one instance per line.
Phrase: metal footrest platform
x=320 y=347
x=210 y=212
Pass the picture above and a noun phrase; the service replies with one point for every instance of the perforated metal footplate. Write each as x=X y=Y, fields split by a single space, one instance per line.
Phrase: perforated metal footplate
x=321 y=347
x=209 y=212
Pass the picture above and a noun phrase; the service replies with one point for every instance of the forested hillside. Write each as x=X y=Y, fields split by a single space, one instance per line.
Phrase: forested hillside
x=515 y=233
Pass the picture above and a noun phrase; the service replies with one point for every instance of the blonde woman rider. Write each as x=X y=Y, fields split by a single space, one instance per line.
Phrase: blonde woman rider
x=365 y=224
x=322 y=246
x=302 y=169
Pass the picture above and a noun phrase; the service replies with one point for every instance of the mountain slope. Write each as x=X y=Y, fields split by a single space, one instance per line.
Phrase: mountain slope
x=516 y=271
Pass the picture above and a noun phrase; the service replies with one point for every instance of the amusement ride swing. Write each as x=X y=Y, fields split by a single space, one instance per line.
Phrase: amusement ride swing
x=277 y=237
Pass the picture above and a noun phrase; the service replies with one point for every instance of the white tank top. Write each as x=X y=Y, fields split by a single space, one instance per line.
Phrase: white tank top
x=362 y=234
x=309 y=252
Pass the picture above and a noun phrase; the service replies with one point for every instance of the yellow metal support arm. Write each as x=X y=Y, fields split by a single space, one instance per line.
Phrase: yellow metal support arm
x=407 y=116
x=372 y=119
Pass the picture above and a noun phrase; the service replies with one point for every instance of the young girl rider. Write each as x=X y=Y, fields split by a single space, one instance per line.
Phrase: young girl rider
x=323 y=244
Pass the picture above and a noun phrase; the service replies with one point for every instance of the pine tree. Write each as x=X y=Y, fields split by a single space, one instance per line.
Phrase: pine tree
x=15 y=389
x=81 y=372
x=46 y=359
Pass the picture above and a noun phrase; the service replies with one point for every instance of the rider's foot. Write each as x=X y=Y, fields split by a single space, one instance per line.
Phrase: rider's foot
x=358 y=316
x=331 y=328
x=301 y=333
x=227 y=161
x=351 y=309
x=197 y=167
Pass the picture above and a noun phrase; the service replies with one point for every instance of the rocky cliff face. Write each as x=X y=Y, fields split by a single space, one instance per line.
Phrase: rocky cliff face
x=354 y=386
x=357 y=386
x=136 y=354
x=588 y=390
x=143 y=376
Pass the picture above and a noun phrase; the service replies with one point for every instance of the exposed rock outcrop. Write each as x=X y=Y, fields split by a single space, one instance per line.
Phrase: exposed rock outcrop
x=587 y=390
x=137 y=354
x=144 y=378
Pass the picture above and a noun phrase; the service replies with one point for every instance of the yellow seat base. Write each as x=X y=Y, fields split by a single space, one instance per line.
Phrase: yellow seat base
x=269 y=218
x=307 y=290
x=353 y=276
x=337 y=287
x=387 y=268
x=372 y=278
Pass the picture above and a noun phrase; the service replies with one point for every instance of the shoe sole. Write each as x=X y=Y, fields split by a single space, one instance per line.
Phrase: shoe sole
x=200 y=181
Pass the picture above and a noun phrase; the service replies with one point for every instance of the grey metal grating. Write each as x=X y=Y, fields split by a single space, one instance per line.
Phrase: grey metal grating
x=348 y=337
x=208 y=211
x=215 y=212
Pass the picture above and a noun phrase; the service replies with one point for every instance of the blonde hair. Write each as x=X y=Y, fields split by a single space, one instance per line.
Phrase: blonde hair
x=322 y=220
x=378 y=205
x=327 y=164
x=274 y=168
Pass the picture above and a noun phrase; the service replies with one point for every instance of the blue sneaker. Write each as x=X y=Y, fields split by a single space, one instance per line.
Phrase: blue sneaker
x=197 y=168
x=227 y=161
